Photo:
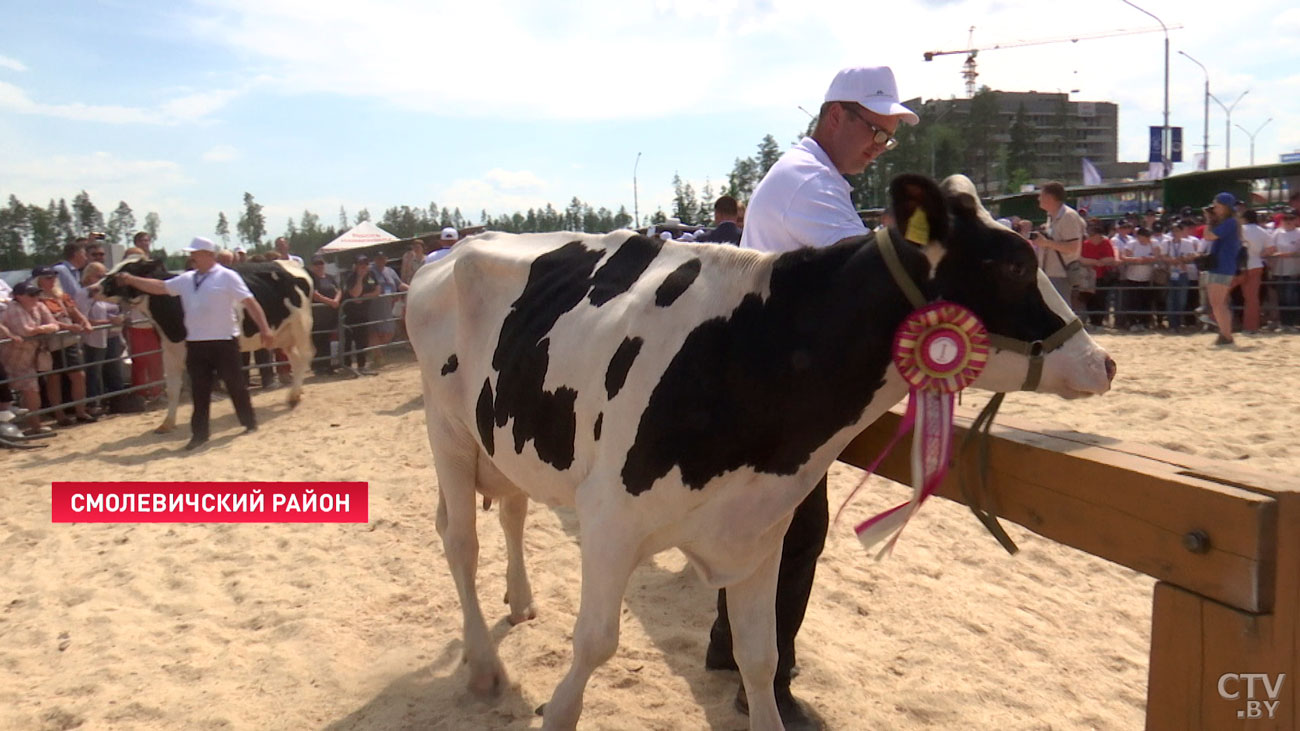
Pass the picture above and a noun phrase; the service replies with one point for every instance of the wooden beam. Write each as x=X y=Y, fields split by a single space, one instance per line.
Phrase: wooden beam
x=1118 y=501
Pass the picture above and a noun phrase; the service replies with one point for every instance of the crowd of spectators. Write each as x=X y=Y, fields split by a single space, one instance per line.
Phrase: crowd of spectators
x=1161 y=271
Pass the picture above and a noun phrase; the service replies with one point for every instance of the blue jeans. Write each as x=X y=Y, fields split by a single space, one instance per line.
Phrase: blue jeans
x=1177 y=302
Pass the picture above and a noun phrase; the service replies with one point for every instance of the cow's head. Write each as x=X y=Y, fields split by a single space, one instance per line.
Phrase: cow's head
x=112 y=287
x=992 y=270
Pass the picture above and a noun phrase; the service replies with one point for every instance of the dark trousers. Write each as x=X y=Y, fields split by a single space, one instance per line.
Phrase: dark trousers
x=804 y=541
x=322 y=363
x=355 y=337
x=205 y=359
x=262 y=357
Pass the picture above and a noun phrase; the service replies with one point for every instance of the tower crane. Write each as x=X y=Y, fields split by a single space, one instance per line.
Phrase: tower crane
x=968 y=68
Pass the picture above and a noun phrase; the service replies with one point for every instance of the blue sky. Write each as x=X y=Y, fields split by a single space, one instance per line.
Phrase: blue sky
x=180 y=107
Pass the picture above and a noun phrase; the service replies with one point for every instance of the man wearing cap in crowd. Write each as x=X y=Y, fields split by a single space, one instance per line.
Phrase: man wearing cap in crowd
x=241 y=255
x=804 y=200
x=359 y=287
x=210 y=296
x=446 y=240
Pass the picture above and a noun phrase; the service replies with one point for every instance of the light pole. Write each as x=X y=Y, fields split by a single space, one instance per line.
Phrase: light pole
x=1164 y=133
x=1227 y=126
x=1251 y=135
x=636 y=208
x=1205 y=146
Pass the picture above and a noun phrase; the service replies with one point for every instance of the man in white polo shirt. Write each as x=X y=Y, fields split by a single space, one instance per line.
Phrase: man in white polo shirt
x=446 y=240
x=804 y=201
x=210 y=296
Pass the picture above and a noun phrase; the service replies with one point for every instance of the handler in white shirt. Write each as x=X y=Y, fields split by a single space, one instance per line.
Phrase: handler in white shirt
x=210 y=296
x=804 y=201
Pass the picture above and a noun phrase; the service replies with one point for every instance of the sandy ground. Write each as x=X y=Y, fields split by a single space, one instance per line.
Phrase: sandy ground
x=358 y=626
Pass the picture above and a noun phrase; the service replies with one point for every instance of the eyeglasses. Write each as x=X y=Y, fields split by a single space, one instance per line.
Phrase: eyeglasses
x=881 y=137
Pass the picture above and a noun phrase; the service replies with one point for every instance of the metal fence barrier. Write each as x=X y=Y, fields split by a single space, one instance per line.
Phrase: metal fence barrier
x=121 y=361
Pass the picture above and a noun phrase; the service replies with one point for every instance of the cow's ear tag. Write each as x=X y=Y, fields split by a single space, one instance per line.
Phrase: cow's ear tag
x=918 y=228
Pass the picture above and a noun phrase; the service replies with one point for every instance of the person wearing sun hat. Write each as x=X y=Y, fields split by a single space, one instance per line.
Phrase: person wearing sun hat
x=210 y=297
x=804 y=201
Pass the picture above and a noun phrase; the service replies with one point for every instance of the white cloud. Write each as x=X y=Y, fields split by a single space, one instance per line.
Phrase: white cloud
x=221 y=153
x=498 y=191
x=188 y=108
x=12 y=64
x=514 y=180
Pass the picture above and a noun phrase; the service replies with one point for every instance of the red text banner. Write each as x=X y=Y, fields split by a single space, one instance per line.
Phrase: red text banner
x=210 y=502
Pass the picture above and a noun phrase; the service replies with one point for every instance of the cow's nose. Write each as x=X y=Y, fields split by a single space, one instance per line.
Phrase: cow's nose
x=1110 y=369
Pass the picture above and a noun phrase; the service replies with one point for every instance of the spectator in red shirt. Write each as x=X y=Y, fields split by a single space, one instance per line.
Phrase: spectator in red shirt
x=1098 y=252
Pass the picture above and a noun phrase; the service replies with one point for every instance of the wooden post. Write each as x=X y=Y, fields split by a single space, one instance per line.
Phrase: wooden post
x=1223 y=541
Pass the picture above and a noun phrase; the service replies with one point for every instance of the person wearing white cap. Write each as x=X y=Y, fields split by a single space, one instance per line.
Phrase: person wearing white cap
x=804 y=201
x=210 y=296
x=446 y=240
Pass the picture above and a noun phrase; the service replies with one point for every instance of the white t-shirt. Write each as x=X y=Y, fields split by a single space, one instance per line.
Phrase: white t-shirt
x=436 y=254
x=1256 y=240
x=1180 y=248
x=211 y=302
x=1138 y=272
x=1287 y=242
x=802 y=201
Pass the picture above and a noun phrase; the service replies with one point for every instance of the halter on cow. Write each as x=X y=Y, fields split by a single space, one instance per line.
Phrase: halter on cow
x=691 y=396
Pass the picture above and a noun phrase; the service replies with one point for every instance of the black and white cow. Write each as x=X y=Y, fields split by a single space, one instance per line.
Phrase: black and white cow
x=689 y=396
x=282 y=288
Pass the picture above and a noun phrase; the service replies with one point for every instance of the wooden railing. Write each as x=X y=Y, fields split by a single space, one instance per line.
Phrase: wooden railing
x=1222 y=541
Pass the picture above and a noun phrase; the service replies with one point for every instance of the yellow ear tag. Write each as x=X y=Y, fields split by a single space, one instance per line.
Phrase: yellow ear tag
x=918 y=228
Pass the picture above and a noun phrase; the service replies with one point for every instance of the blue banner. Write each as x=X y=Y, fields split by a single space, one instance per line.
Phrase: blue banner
x=1176 y=144
x=1156 y=146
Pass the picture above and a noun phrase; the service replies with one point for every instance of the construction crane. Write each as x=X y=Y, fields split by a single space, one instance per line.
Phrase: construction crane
x=968 y=68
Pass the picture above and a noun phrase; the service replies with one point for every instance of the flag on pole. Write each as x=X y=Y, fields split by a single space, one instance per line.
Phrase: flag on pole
x=1091 y=176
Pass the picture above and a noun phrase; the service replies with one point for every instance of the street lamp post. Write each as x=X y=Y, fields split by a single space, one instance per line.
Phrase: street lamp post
x=1164 y=132
x=1251 y=135
x=1205 y=127
x=636 y=208
x=1227 y=126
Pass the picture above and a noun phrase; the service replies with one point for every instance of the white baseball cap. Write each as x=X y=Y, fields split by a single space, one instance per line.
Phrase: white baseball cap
x=449 y=234
x=873 y=87
x=200 y=244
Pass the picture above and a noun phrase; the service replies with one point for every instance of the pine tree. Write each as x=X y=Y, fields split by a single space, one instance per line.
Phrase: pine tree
x=86 y=217
x=13 y=231
x=152 y=224
x=768 y=153
x=46 y=240
x=252 y=222
x=63 y=221
x=223 y=229
x=120 y=224
x=363 y=215
x=704 y=216
x=980 y=128
x=685 y=205
x=742 y=178
x=1022 y=158
x=343 y=219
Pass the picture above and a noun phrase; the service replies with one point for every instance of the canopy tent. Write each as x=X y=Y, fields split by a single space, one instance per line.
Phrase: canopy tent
x=362 y=236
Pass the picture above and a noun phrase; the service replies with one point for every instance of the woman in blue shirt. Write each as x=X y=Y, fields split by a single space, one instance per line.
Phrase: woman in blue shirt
x=1224 y=232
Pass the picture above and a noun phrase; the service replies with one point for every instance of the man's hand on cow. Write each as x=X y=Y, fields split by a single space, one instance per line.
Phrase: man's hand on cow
x=268 y=340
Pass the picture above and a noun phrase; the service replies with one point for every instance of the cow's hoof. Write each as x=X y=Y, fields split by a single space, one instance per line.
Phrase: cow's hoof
x=488 y=684
x=541 y=710
x=165 y=428
x=516 y=619
x=294 y=400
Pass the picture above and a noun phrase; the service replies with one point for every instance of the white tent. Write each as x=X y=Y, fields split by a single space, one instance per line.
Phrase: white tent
x=361 y=236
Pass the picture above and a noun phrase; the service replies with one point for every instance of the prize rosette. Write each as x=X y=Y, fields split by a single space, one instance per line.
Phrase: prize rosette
x=941 y=347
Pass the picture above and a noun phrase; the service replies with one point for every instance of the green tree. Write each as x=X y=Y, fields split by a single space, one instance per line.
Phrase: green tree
x=120 y=223
x=704 y=216
x=47 y=240
x=13 y=232
x=363 y=215
x=1022 y=157
x=223 y=229
x=252 y=222
x=64 y=221
x=685 y=205
x=152 y=224
x=86 y=216
x=343 y=219
x=980 y=128
x=768 y=153
x=742 y=178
